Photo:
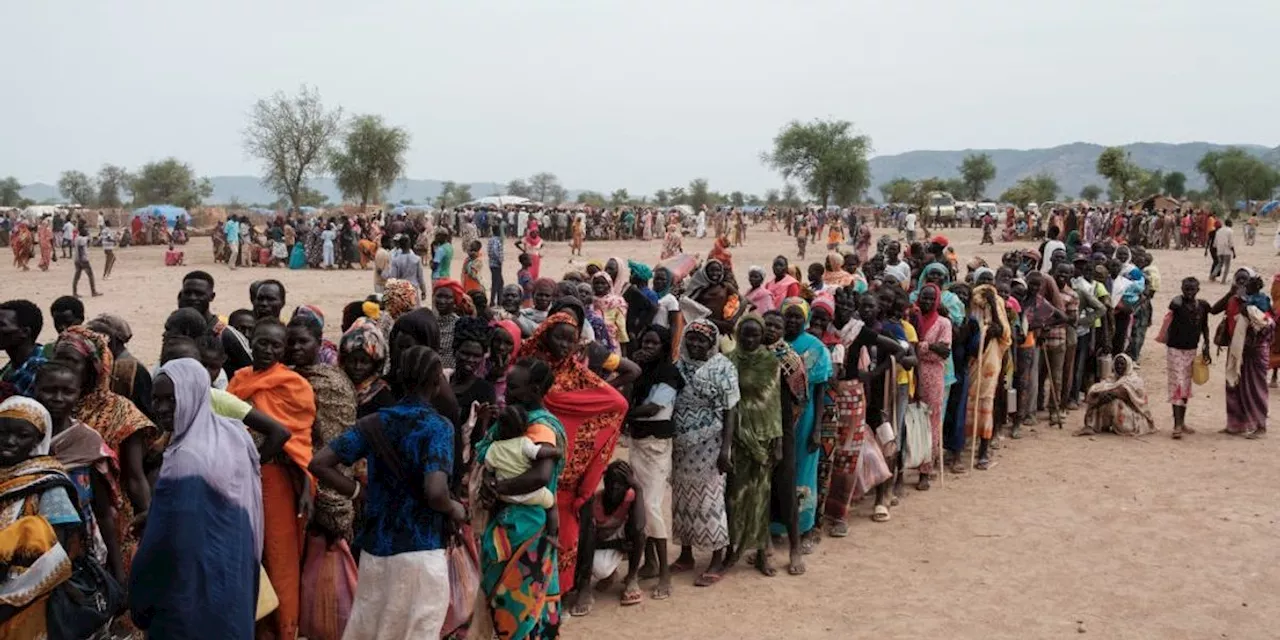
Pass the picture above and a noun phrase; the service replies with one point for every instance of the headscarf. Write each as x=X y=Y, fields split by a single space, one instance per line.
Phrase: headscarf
x=699 y=282
x=947 y=301
x=113 y=326
x=720 y=252
x=758 y=384
x=28 y=410
x=835 y=275
x=793 y=370
x=113 y=416
x=218 y=450
x=460 y=298
x=512 y=330
x=800 y=303
x=670 y=277
x=640 y=270
x=929 y=318
x=624 y=276
x=399 y=297
x=981 y=271
x=310 y=314
x=760 y=297
x=611 y=300
x=1073 y=244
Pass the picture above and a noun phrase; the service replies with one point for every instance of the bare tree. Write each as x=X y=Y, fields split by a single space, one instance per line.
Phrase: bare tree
x=291 y=135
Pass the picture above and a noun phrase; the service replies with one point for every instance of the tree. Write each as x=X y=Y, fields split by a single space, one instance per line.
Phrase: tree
x=699 y=194
x=954 y=186
x=77 y=187
x=661 y=198
x=976 y=170
x=1233 y=174
x=619 y=198
x=591 y=198
x=453 y=194
x=1152 y=183
x=1091 y=192
x=1038 y=188
x=169 y=181
x=897 y=190
x=112 y=180
x=371 y=159
x=1125 y=178
x=10 y=192
x=754 y=200
x=678 y=195
x=790 y=196
x=825 y=156
x=292 y=136
x=308 y=198
x=544 y=187
x=1175 y=184
x=737 y=199
x=518 y=188
x=921 y=189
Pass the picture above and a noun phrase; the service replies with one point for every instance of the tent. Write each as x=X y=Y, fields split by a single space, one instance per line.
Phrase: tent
x=501 y=201
x=170 y=213
x=1269 y=208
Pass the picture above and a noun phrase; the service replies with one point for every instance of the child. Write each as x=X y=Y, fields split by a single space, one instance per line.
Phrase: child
x=173 y=257
x=524 y=278
x=514 y=453
x=471 y=268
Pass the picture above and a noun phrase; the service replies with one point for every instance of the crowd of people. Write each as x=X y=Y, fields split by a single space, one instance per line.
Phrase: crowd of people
x=469 y=427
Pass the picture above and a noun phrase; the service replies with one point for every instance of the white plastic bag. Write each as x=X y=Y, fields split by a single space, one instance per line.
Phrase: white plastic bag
x=919 y=445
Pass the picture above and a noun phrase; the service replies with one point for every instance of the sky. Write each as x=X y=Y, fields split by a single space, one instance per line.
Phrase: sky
x=641 y=95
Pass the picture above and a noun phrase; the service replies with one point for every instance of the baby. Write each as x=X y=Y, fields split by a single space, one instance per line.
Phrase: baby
x=514 y=454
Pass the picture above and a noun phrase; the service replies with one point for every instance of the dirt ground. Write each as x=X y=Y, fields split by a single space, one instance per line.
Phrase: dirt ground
x=1105 y=536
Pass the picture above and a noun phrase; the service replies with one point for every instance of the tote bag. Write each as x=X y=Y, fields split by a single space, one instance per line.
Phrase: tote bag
x=919 y=449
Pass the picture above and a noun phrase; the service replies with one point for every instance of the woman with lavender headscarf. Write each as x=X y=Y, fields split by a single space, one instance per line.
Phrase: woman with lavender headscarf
x=196 y=570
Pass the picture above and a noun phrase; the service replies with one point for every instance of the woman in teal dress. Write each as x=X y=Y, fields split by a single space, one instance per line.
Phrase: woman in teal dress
x=817 y=363
x=519 y=563
x=298 y=256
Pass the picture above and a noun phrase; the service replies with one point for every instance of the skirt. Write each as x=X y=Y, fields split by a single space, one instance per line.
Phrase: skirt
x=1178 y=368
x=651 y=462
x=401 y=596
x=697 y=495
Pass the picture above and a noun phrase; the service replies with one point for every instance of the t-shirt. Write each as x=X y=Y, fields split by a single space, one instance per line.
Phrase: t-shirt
x=658 y=385
x=68 y=230
x=232 y=230
x=666 y=304
x=444 y=261
x=911 y=222
x=108 y=239
x=512 y=457
x=1190 y=321
x=228 y=405
x=82 y=249
x=1222 y=241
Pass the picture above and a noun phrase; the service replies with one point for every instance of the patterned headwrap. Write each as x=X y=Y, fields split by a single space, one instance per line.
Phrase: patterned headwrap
x=399 y=297
x=704 y=327
x=28 y=410
x=796 y=302
x=114 y=327
x=310 y=314
x=364 y=335
x=111 y=415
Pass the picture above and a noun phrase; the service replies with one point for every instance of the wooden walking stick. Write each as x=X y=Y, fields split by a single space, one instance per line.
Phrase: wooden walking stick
x=973 y=446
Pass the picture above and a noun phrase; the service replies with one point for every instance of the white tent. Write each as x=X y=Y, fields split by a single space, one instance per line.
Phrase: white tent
x=41 y=210
x=501 y=201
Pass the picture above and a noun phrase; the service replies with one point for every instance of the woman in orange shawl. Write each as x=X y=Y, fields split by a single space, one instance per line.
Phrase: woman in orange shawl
x=287 y=489
x=45 y=237
x=721 y=253
x=21 y=244
x=591 y=412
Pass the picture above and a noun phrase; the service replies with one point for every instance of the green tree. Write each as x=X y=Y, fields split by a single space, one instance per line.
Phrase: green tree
x=1175 y=184
x=678 y=195
x=371 y=159
x=591 y=198
x=453 y=194
x=1038 y=188
x=1125 y=179
x=518 y=188
x=1091 y=193
x=292 y=136
x=772 y=198
x=897 y=190
x=737 y=199
x=700 y=194
x=976 y=170
x=77 y=187
x=920 y=190
x=661 y=198
x=545 y=187
x=112 y=180
x=1153 y=183
x=954 y=186
x=619 y=197
x=791 y=195
x=1233 y=174
x=169 y=181
x=10 y=192
x=825 y=157
x=309 y=197
x=754 y=200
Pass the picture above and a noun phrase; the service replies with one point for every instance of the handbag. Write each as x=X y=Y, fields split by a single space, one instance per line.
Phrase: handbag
x=919 y=445
x=1163 y=336
x=1221 y=336
x=85 y=603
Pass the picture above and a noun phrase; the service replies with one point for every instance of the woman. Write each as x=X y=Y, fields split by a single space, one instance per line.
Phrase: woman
x=38 y=519
x=287 y=490
x=712 y=288
x=757 y=443
x=311 y=314
x=672 y=242
x=612 y=308
x=520 y=578
x=44 y=235
x=197 y=566
x=651 y=431
x=1249 y=331
x=544 y=293
x=122 y=426
x=784 y=285
x=703 y=419
x=591 y=412
x=720 y=253
x=472 y=337
x=835 y=276
x=398 y=298
x=1118 y=405
x=934 y=349
x=531 y=244
x=297 y=251
x=22 y=247
x=335 y=401
x=327 y=238
x=863 y=247
x=404 y=576
x=503 y=347
x=818 y=370
x=451 y=302
x=984 y=374
x=1188 y=326
x=579 y=235
x=362 y=354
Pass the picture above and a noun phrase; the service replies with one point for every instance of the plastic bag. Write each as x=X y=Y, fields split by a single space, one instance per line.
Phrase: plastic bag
x=464 y=581
x=919 y=445
x=268 y=601
x=328 y=588
x=1163 y=336
x=872 y=469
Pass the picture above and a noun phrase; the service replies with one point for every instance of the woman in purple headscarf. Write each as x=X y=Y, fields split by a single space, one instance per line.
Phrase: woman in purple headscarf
x=196 y=570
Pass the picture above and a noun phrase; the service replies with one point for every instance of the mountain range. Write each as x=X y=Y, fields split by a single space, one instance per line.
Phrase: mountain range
x=1072 y=165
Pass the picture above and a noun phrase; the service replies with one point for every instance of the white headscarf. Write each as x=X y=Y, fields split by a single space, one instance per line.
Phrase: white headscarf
x=28 y=410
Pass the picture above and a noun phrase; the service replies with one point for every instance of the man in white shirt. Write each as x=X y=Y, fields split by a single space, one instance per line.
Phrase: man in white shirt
x=68 y=236
x=1225 y=245
x=909 y=224
x=893 y=265
x=1047 y=249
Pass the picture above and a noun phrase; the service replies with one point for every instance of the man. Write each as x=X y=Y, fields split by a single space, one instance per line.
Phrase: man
x=268 y=299
x=1224 y=243
x=495 y=266
x=197 y=293
x=66 y=311
x=68 y=234
x=381 y=259
x=405 y=265
x=894 y=265
x=232 y=231
x=909 y=225
x=82 y=263
x=1050 y=245
x=20 y=326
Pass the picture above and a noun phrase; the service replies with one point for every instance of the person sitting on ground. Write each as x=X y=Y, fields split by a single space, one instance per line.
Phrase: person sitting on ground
x=612 y=529
x=173 y=257
x=1119 y=404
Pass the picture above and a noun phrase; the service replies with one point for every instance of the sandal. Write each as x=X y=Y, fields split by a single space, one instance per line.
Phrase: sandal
x=708 y=579
x=681 y=567
x=923 y=483
x=983 y=464
x=630 y=598
x=881 y=514
x=839 y=529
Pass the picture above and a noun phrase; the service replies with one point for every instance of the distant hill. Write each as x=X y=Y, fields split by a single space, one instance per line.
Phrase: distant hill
x=1072 y=165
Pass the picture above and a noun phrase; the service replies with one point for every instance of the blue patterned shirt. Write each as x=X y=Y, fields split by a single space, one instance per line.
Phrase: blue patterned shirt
x=22 y=379
x=394 y=521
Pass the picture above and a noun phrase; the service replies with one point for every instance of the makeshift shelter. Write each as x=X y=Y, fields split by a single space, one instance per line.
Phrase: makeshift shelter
x=501 y=201
x=171 y=213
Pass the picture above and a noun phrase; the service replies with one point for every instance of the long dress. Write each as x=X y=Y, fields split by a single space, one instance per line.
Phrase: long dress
x=759 y=424
x=817 y=364
x=21 y=245
x=1247 y=394
x=45 y=236
x=930 y=380
x=697 y=486
x=984 y=373
x=843 y=413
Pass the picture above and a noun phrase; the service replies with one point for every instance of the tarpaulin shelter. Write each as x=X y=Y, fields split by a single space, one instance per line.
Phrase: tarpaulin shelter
x=170 y=212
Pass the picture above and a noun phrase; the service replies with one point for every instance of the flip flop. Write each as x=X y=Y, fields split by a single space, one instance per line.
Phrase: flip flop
x=630 y=598
x=708 y=579
x=679 y=567
x=881 y=514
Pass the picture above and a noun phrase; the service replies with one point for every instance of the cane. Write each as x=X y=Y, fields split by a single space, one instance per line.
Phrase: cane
x=973 y=445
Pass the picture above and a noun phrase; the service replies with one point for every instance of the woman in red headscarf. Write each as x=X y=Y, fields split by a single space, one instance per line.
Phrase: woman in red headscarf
x=591 y=412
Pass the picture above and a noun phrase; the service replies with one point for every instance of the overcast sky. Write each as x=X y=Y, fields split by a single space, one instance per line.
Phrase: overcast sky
x=639 y=94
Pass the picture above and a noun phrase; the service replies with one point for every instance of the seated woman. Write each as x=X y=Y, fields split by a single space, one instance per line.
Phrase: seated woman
x=1118 y=404
x=38 y=519
x=175 y=258
x=612 y=529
